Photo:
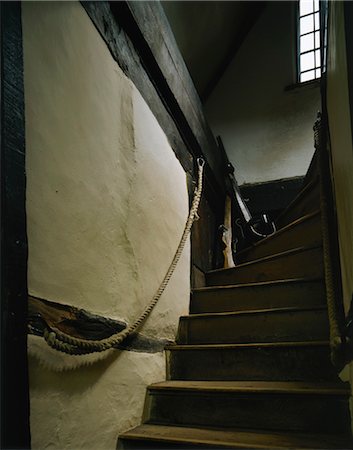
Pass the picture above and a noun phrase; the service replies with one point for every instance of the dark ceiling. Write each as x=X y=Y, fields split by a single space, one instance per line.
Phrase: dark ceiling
x=209 y=34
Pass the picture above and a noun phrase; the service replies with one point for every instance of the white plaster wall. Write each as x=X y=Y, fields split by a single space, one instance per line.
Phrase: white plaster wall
x=106 y=205
x=267 y=131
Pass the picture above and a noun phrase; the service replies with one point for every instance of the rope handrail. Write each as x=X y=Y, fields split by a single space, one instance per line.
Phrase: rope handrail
x=65 y=343
x=336 y=336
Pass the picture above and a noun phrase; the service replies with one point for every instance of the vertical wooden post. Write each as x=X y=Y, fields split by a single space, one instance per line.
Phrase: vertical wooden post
x=14 y=371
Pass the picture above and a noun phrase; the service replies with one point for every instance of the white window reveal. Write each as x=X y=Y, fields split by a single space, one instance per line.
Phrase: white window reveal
x=309 y=53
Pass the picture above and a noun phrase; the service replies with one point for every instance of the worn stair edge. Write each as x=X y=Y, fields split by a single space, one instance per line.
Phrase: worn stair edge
x=256 y=284
x=221 y=438
x=308 y=187
x=254 y=312
x=206 y=347
x=279 y=232
x=255 y=387
x=292 y=251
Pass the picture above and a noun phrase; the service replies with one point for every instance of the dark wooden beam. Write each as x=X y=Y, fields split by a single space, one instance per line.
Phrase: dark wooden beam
x=83 y=324
x=150 y=22
x=124 y=53
x=140 y=40
x=256 y=10
x=14 y=373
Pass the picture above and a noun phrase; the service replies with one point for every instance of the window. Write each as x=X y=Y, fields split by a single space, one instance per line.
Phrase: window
x=309 y=53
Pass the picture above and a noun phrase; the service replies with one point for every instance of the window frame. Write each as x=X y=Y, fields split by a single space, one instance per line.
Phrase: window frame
x=316 y=67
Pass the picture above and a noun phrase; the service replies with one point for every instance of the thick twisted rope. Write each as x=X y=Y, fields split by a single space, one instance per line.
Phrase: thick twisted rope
x=76 y=346
x=334 y=328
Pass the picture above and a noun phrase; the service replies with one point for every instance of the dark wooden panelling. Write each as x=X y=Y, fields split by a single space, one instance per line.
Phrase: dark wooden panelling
x=14 y=373
x=271 y=197
x=205 y=240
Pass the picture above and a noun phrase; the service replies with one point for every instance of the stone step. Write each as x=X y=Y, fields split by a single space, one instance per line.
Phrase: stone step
x=284 y=361
x=298 y=292
x=306 y=202
x=266 y=325
x=302 y=262
x=305 y=231
x=149 y=436
x=289 y=406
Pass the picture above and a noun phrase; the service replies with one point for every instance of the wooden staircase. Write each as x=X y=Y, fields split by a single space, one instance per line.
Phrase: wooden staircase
x=251 y=365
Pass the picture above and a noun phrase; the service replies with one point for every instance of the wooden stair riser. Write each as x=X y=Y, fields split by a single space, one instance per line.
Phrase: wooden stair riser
x=154 y=444
x=306 y=202
x=252 y=365
x=262 y=296
x=150 y=436
x=280 y=363
x=295 y=264
x=305 y=413
x=274 y=326
x=305 y=233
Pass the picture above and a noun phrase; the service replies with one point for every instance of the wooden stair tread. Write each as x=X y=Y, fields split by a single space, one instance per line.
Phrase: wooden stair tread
x=280 y=231
x=255 y=284
x=247 y=345
x=230 y=438
x=275 y=293
x=251 y=368
x=254 y=311
x=256 y=387
x=266 y=258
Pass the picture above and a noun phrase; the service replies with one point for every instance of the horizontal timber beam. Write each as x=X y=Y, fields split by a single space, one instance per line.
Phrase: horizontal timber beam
x=85 y=325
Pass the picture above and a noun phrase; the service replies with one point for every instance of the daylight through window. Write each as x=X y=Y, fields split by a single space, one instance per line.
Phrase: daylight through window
x=309 y=54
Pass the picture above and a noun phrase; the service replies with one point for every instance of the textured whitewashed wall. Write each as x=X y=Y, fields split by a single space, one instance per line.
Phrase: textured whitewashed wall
x=106 y=205
x=266 y=130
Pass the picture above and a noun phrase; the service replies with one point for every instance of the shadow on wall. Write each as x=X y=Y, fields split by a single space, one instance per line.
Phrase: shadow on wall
x=266 y=129
x=72 y=382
